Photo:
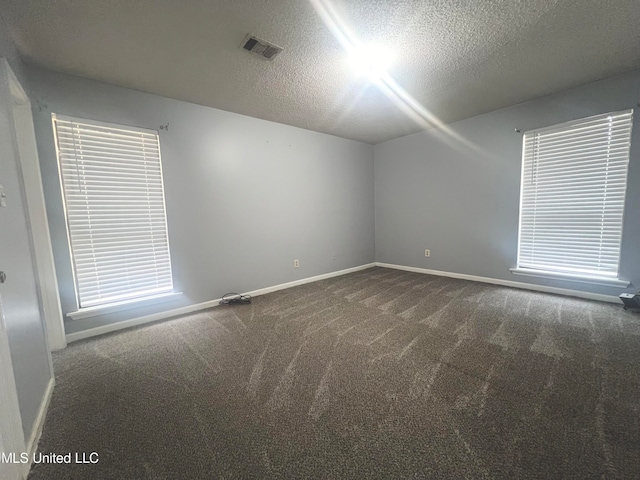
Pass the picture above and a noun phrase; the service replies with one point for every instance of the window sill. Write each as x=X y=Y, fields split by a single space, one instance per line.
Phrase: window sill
x=613 y=282
x=120 y=306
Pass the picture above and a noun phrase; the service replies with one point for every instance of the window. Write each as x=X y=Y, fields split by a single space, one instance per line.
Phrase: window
x=574 y=179
x=114 y=204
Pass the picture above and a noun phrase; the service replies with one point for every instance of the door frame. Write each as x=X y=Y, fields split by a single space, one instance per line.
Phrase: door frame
x=11 y=434
x=21 y=134
x=25 y=146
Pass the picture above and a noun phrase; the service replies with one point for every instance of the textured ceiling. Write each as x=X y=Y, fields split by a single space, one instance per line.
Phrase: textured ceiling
x=458 y=58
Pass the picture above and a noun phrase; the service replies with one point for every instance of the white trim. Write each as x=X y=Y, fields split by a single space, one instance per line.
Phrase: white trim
x=26 y=150
x=11 y=434
x=120 y=306
x=295 y=283
x=92 y=332
x=38 y=425
x=507 y=283
x=605 y=282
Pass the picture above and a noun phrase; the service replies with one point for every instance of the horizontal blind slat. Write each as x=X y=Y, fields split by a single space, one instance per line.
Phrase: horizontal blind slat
x=96 y=300
x=577 y=149
x=124 y=288
x=94 y=130
x=110 y=265
x=106 y=141
x=78 y=157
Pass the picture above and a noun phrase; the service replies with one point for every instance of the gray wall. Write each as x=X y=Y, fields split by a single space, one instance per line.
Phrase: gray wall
x=245 y=197
x=463 y=204
x=9 y=51
x=22 y=313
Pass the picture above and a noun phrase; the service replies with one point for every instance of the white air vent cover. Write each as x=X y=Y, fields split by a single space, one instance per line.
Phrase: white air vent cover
x=260 y=47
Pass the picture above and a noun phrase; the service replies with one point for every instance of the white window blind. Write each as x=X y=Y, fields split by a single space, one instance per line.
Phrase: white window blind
x=574 y=179
x=114 y=200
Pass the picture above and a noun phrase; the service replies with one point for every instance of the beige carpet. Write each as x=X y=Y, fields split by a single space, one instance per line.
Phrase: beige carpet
x=376 y=374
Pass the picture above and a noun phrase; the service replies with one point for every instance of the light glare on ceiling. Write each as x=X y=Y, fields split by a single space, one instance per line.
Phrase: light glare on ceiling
x=371 y=61
x=377 y=72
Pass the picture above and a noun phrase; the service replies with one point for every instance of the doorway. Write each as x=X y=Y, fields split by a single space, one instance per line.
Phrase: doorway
x=27 y=298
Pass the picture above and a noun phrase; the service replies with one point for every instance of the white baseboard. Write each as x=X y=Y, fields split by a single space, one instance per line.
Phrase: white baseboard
x=113 y=327
x=38 y=425
x=507 y=283
x=295 y=283
x=92 y=332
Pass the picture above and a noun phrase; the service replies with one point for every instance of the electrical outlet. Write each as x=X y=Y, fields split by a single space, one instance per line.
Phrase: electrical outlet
x=296 y=263
x=427 y=253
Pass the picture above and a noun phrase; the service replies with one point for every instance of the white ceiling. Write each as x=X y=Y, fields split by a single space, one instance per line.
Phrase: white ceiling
x=458 y=58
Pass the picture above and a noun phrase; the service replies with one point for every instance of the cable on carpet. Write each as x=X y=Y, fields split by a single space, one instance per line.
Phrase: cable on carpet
x=235 y=299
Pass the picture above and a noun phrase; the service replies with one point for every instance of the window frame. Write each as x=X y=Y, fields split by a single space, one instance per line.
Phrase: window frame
x=568 y=275
x=127 y=303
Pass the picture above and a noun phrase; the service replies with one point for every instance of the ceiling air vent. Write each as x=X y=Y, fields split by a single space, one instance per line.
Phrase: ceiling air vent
x=260 y=47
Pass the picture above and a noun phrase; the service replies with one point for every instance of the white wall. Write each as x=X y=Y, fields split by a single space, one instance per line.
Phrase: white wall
x=463 y=204
x=245 y=197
